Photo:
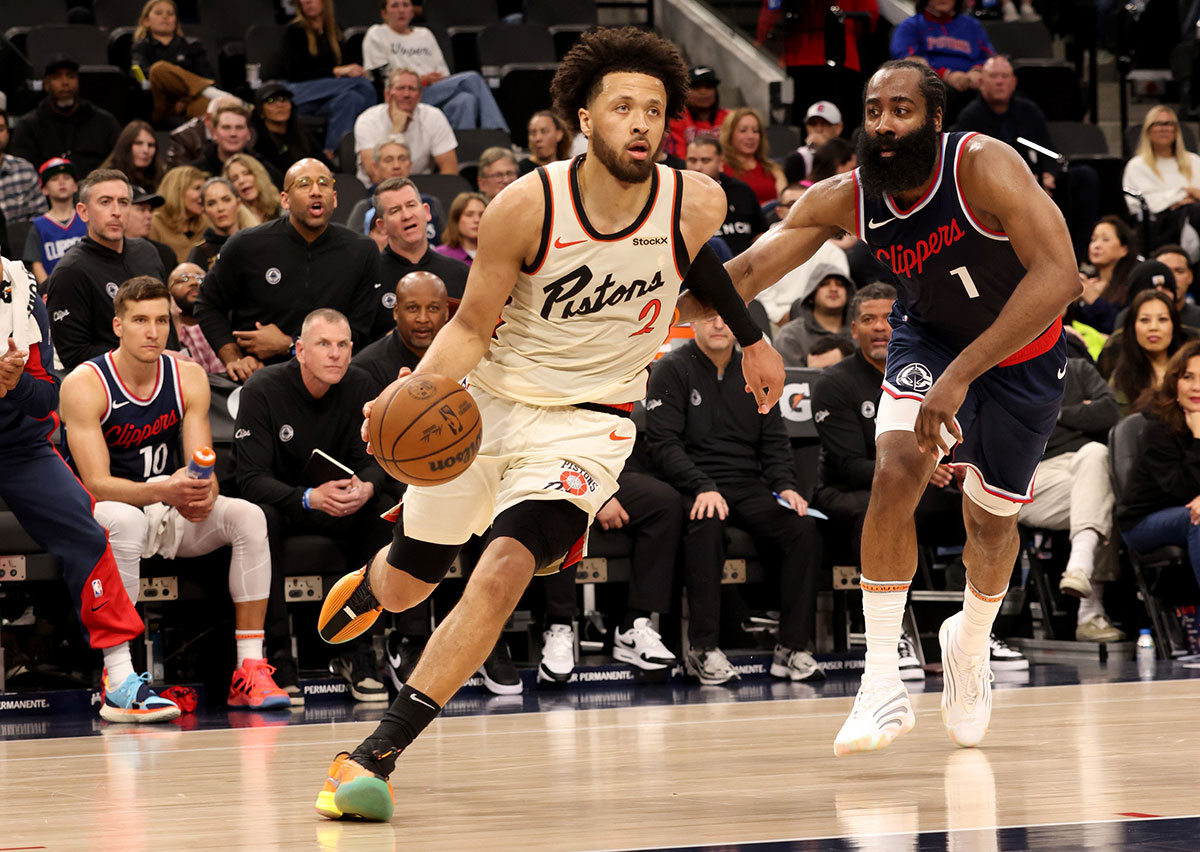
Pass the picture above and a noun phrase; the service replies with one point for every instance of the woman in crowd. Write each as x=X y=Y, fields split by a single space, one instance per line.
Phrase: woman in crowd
x=181 y=77
x=253 y=186
x=1166 y=174
x=279 y=136
x=745 y=145
x=180 y=222
x=321 y=83
x=1112 y=254
x=1162 y=499
x=462 y=226
x=549 y=140
x=1150 y=336
x=226 y=216
x=136 y=154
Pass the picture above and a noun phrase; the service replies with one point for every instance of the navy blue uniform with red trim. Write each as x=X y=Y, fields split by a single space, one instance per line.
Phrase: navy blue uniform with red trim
x=955 y=276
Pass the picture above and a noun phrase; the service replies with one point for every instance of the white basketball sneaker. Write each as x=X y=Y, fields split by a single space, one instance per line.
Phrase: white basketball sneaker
x=966 y=689
x=882 y=712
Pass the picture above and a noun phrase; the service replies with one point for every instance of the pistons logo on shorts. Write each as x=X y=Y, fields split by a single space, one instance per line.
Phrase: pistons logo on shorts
x=573 y=480
x=915 y=377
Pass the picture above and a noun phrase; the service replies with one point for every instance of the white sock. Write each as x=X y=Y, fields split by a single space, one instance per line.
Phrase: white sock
x=249 y=645
x=119 y=663
x=1083 y=551
x=883 y=611
x=979 y=614
x=1093 y=604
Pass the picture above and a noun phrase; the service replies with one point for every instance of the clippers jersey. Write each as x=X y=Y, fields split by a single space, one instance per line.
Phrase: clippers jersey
x=955 y=273
x=589 y=314
x=143 y=435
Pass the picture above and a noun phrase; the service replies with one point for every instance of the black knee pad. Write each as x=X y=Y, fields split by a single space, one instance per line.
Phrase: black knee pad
x=423 y=560
x=547 y=528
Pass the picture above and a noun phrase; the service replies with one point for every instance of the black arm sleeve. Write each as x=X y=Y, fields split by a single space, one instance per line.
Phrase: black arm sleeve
x=710 y=283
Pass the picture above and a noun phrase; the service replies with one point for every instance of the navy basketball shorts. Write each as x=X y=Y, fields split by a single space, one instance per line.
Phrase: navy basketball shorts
x=1005 y=419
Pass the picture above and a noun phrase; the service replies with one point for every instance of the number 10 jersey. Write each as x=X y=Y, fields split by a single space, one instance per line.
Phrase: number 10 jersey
x=143 y=435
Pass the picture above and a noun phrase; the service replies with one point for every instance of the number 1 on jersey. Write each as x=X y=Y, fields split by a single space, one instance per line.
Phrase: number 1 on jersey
x=965 y=276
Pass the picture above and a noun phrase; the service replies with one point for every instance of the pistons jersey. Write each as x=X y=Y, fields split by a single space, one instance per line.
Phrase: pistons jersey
x=143 y=435
x=588 y=314
x=956 y=274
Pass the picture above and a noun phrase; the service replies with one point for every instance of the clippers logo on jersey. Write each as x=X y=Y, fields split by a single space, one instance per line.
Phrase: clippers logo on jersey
x=915 y=377
x=573 y=480
x=607 y=294
x=909 y=262
x=127 y=435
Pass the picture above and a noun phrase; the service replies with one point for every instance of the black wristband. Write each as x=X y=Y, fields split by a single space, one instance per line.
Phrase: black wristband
x=708 y=281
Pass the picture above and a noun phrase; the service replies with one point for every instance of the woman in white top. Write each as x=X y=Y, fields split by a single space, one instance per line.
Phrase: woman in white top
x=1166 y=174
x=464 y=97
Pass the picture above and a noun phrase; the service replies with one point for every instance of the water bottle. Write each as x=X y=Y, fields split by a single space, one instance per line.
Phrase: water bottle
x=202 y=463
x=1145 y=654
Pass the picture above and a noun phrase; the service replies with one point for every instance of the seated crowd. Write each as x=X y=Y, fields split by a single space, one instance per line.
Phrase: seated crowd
x=222 y=261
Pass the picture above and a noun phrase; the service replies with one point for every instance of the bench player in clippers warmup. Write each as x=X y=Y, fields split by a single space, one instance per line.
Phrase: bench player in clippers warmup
x=583 y=261
x=975 y=365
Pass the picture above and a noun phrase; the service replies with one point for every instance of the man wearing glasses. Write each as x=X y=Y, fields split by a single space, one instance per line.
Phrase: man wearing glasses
x=184 y=285
x=497 y=169
x=269 y=277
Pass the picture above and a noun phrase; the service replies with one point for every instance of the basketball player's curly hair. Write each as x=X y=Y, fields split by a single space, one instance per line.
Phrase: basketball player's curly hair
x=605 y=51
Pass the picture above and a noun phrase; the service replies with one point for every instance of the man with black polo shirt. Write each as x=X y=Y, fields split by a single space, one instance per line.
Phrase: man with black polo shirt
x=270 y=277
x=419 y=313
x=404 y=214
x=80 y=290
x=744 y=220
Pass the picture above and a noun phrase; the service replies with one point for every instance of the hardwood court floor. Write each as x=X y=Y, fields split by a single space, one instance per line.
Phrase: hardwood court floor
x=719 y=774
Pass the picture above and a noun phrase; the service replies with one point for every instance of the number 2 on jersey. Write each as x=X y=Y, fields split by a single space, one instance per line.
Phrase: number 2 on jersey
x=656 y=306
x=964 y=276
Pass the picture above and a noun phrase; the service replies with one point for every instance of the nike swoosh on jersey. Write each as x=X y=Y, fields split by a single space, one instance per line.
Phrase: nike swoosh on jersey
x=102 y=606
x=558 y=243
x=1063 y=371
x=119 y=404
x=873 y=224
x=613 y=434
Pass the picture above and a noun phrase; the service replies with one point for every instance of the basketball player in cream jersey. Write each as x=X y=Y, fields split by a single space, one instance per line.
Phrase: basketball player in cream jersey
x=582 y=261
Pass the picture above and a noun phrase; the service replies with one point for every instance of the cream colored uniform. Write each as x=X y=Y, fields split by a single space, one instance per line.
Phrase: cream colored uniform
x=584 y=321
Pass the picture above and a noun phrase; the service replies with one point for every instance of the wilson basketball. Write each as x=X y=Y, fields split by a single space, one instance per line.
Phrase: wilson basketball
x=425 y=430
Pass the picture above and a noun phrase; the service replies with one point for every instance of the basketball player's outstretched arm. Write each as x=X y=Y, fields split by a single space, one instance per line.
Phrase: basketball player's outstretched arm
x=1004 y=196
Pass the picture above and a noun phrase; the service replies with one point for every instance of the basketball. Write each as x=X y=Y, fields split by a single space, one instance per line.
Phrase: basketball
x=425 y=430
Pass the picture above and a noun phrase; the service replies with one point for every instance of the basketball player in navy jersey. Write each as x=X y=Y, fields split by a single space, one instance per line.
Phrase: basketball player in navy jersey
x=582 y=260
x=975 y=367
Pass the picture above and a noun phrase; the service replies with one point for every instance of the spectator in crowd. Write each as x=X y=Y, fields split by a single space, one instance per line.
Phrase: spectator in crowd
x=1166 y=174
x=1001 y=113
x=549 y=140
x=180 y=74
x=128 y=457
x=80 y=291
x=1074 y=492
x=280 y=138
x=136 y=154
x=420 y=309
x=21 y=197
x=703 y=115
x=464 y=97
x=1157 y=506
x=321 y=83
x=789 y=196
x=254 y=186
x=230 y=135
x=708 y=441
x=393 y=159
x=1150 y=336
x=55 y=510
x=141 y=217
x=54 y=232
x=1169 y=272
x=827 y=350
x=744 y=142
x=804 y=32
x=188 y=139
x=952 y=42
x=497 y=169
x=64 y=124
x=184 y=285
x=834 y=157
x=822 y=122
x=1176 y=259
x=269 y=277
x=462 y=227
x=823 y=310
x=180 y=222
x=314 y=402
x=780 y=298
x=226 y=216
x=373 y=226
x=1112 y=255
x=430 y=139
x=744 y=220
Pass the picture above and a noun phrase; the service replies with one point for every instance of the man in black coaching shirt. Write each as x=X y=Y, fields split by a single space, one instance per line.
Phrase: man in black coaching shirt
x=419 y=313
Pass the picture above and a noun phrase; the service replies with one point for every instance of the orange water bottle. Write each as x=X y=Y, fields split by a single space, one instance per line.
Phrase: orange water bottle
x=202 y=463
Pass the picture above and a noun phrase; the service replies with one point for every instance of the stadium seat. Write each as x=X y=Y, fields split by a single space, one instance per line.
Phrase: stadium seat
x=117 y=13
x=350 y=191
x=85 y=44
x=228 y=22
x=22 y=13
x=262 y=43
x=347 y=156
x=441 y=187
x=472 y=143
x=358 y=214
x=352 y=39
x=461 y=21
x=1052 y=85
x=524 y=89
x=120 y=45
x=783 y=139
x=1020 y=39
x=1077 y=137
x=353 y=14
x=108 y=87
x=566 y=20
x=17 y=232
x=502 y=44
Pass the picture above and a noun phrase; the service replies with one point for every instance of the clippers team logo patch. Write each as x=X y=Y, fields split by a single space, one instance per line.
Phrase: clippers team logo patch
x=915 y=377
x=273 y=276
x=696 y=397
x=389 y=300
x=111 y=289
x=573 y=479
x=286 y=432
x=868 y=409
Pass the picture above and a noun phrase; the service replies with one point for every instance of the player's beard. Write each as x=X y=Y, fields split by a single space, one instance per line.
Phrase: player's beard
x=909 y=167
x=626 y=171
